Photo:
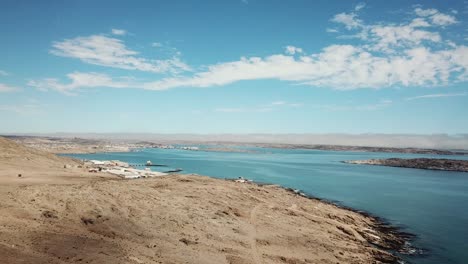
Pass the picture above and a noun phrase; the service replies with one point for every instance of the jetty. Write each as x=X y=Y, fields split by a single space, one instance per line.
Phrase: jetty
x=121 y=169
x=148 y=165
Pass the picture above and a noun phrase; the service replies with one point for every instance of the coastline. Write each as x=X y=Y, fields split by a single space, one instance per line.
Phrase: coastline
x=84 y=206
x=395 y=239
x=225 y=220
x=52 y=210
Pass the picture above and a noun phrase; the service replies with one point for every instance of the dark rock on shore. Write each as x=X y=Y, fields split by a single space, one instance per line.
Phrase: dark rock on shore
x=419 y=163
x=365 y=149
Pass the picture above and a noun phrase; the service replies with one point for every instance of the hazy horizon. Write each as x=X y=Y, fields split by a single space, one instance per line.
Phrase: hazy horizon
x=436 y=141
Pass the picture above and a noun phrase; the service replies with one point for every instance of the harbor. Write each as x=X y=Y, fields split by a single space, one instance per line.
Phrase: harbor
x=126 y=170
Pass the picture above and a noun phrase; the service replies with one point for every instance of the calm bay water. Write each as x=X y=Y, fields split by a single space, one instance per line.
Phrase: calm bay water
x=431 y=204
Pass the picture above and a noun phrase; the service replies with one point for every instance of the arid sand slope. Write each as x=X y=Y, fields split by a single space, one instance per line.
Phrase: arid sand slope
x=176 y=219
x=173 y=219
x=37 y=166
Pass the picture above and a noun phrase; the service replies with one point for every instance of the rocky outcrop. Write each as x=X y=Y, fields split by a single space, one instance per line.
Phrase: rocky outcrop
x=419 y=163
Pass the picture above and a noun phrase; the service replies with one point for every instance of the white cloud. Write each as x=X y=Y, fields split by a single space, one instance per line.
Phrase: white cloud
x=332 y=30
x=28 y=108
x=338 y=66
x=278 y=103
x=419 y=22
x=428 y=96
x=291 y=50
x=156 y=44
x=112 y=52
x=407 y=54
x=4 y=73
x=359 y=6
x=260 y=108
x=230 y=110
x=4 y=88
x=350 y=20
x=244 y=110
x=387 y=38
x=350 y=107
x=80 y=80
x=437 y=18
x=119 y=32
x=342 y=67
x=425 y=12
x=443 y=19
x=284 y=104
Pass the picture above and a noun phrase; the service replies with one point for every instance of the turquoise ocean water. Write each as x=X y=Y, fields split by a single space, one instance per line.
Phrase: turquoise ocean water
x=430 y=204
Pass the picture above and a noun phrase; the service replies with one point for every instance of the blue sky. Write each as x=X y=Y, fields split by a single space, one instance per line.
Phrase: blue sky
x=234 y=66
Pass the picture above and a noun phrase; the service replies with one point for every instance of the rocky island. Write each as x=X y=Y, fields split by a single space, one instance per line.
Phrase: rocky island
x=366 y=149
x=418 y=163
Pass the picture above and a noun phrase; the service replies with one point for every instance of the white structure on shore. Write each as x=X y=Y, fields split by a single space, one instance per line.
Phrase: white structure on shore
x=121 y=169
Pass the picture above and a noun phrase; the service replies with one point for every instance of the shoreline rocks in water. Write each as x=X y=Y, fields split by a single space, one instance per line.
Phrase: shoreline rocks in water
x=418 y=163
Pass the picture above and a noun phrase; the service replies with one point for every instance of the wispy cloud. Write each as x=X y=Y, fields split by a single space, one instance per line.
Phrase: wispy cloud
x=4 y=88
x=4 y=73
x=231 y=110
x=276 y=105
x=350 y=107
x=428 y=96
x=111 y=52
x=283 y=103
x=119 y=32
x=243 y=110
x=28 y=107
x=156 y=44
x=291 y=50
x=81 y=80
x=436 y=17
x=350 y=20
x=359 y=6
x=391 y=54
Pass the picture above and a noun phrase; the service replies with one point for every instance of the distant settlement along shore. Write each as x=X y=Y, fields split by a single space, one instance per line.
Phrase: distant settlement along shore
x=81 y=145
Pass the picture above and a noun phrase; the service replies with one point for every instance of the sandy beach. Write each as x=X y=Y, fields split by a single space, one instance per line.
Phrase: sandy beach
x=53 y=214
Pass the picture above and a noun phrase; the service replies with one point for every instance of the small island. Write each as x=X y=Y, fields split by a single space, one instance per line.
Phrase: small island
x=418 y=163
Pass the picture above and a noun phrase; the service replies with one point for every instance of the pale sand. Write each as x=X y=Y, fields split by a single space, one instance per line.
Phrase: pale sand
x=85 y=218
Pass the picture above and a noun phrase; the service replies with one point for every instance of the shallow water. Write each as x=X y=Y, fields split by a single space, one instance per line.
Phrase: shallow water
x=431 y=204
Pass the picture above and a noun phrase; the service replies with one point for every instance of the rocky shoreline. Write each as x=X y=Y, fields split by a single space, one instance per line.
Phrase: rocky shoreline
x=392 y=239
x=53 y=214
x=417 y=163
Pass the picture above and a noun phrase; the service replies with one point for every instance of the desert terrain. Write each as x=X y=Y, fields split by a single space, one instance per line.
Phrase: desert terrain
x=57 y=212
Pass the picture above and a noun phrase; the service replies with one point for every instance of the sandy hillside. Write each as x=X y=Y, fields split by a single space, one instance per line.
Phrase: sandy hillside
x=37 y=166
x=172 y=219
